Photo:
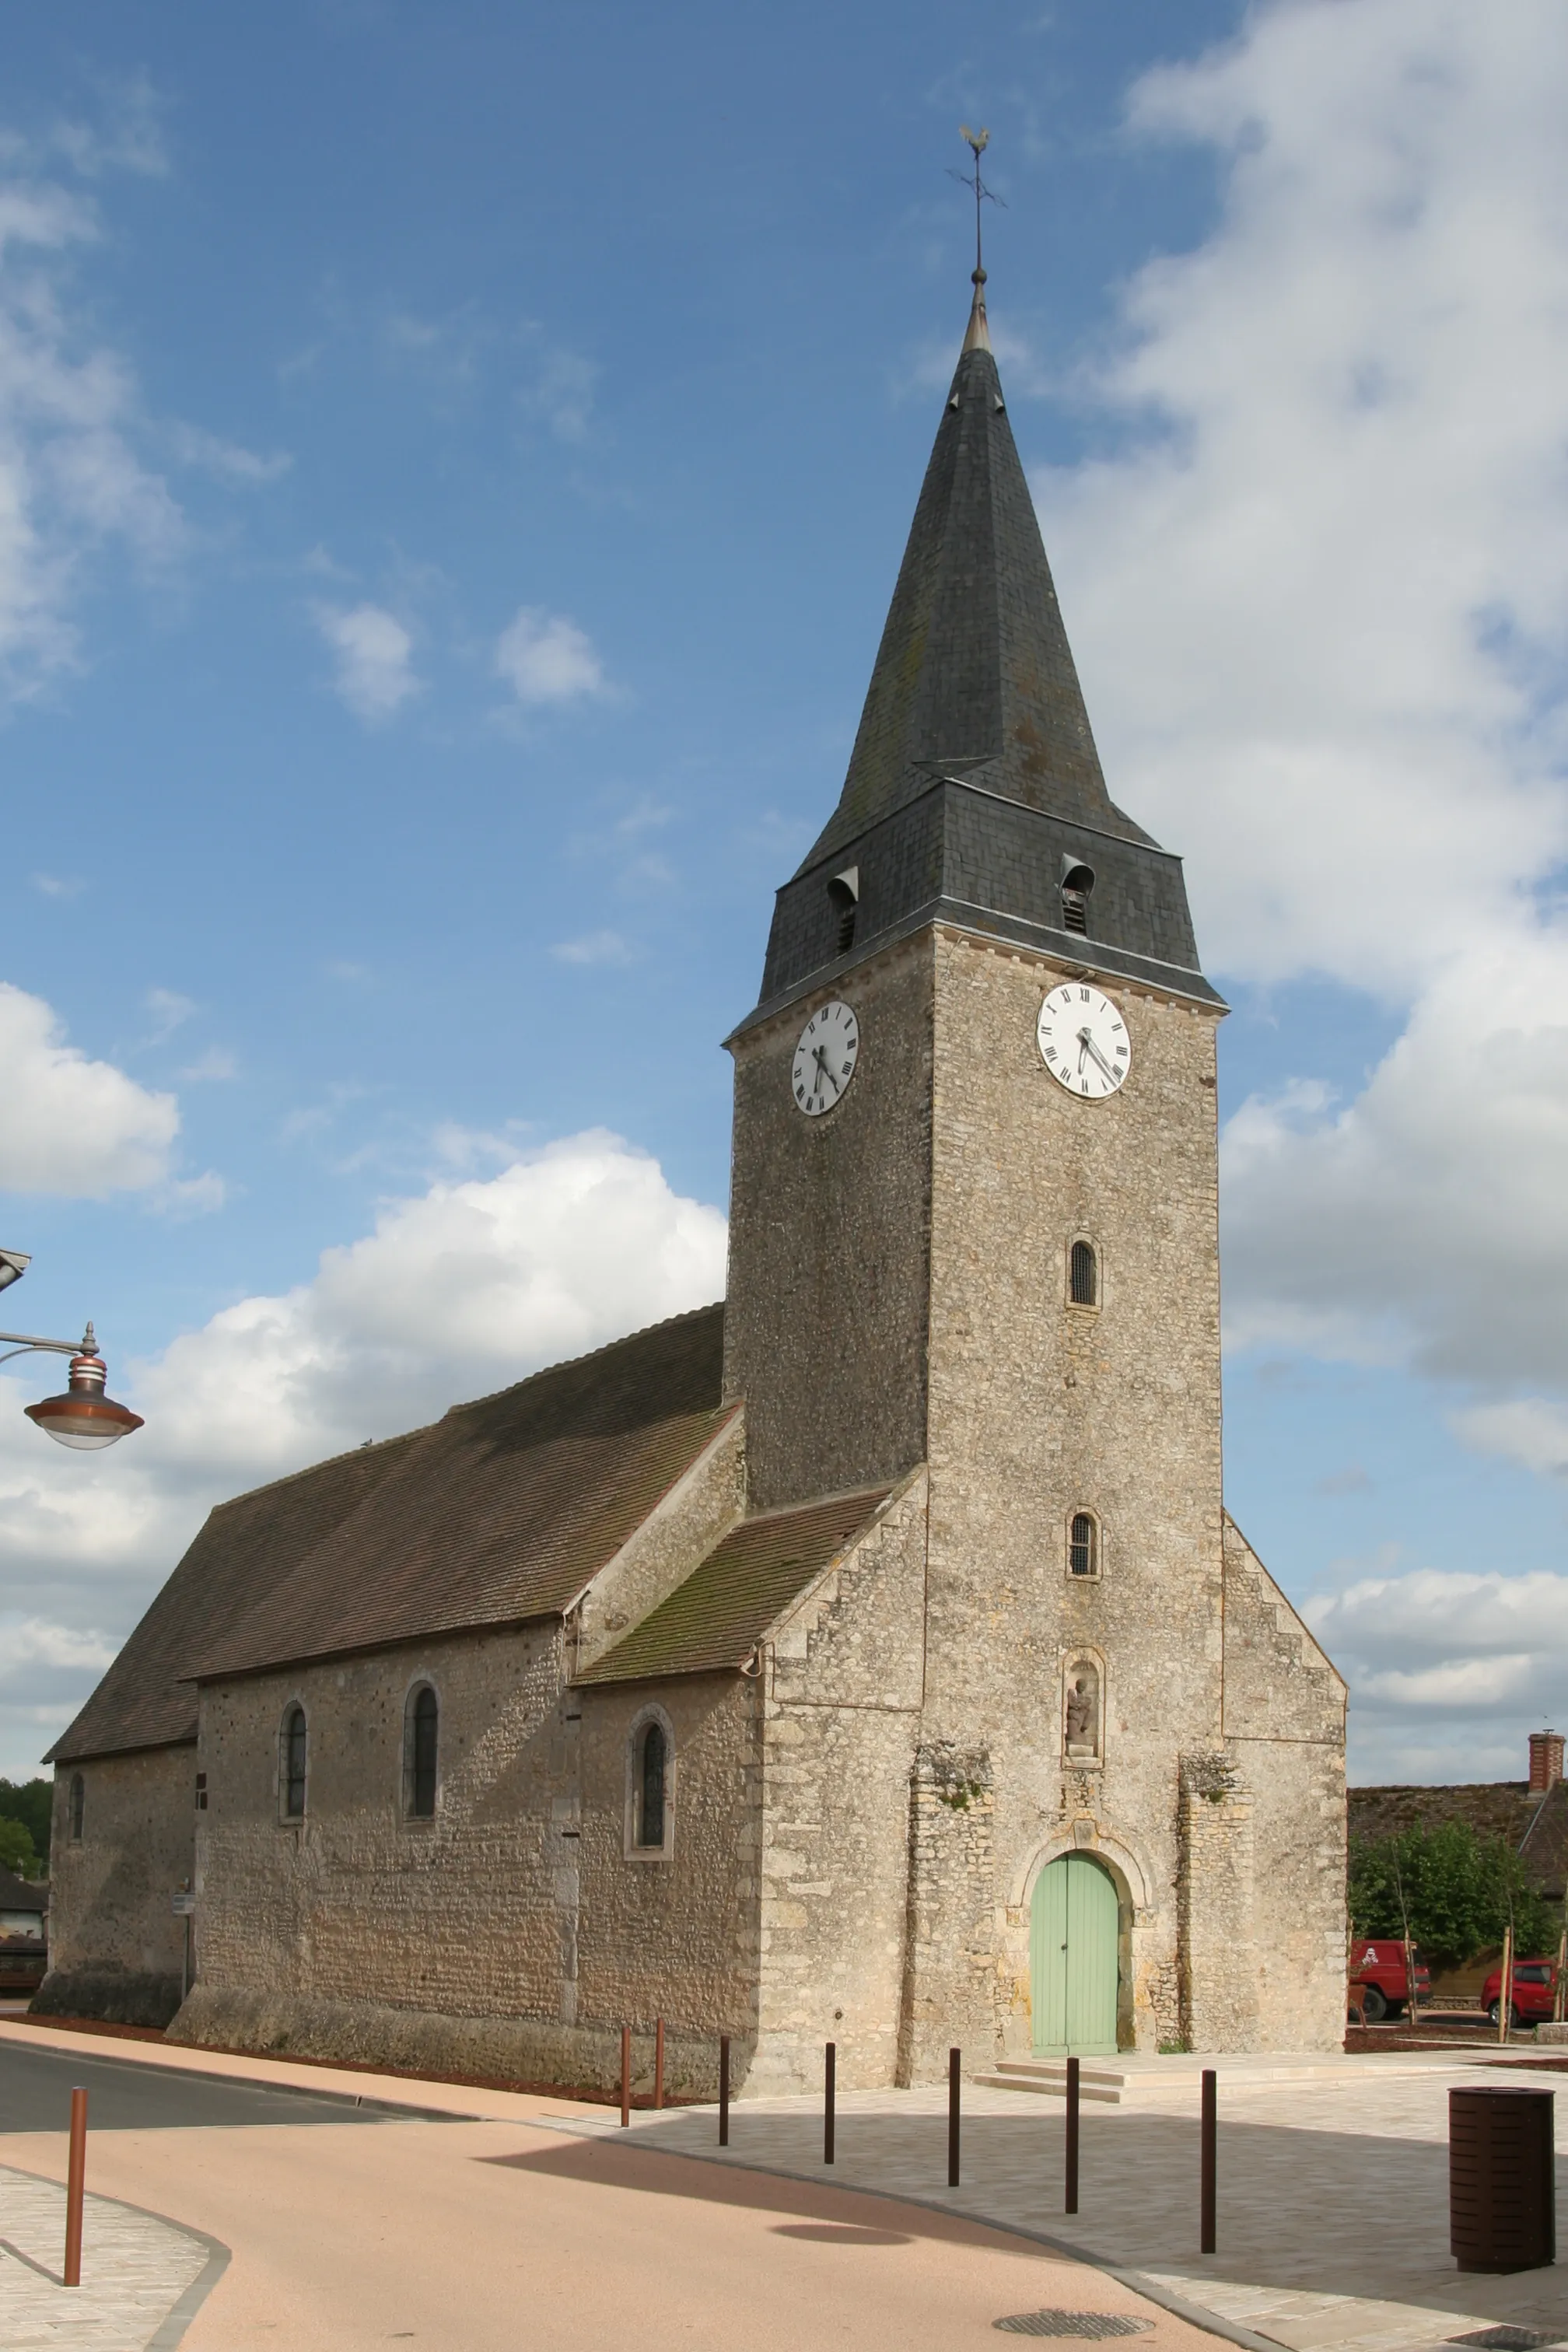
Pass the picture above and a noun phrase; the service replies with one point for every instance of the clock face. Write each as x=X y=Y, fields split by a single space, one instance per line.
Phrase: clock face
x=825 y=1058
x=1084 y=1041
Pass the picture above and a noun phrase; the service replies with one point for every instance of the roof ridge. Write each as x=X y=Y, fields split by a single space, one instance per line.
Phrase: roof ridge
x=312 y=1469
x=879 y=1486
x=566 y=1363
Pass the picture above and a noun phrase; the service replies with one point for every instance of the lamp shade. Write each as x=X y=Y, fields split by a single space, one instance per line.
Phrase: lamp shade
x=84 y=1418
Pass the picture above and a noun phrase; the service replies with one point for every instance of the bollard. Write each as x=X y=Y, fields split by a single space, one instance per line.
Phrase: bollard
x=1208 y=2164
x=75 y=2182
x=626 y=2076
x=1070 y=2166
x=953 y=2060
x=723 y=2090
x=830 y=2080
x=658 y=2062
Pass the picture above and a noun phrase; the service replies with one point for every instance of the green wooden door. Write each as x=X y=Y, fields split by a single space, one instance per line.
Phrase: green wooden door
x=1072 y=1953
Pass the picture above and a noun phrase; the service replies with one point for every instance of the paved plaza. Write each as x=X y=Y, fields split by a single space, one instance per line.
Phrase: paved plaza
x=1334 y=2187
x=1332 y=2208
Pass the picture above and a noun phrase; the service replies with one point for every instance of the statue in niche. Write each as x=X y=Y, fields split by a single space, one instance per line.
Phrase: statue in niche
x=1083 y=1711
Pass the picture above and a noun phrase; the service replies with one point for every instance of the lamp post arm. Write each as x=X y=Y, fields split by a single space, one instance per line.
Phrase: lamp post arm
x=29 y=1346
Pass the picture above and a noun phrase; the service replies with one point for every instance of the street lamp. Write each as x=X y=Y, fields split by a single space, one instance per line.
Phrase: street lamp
x=84 y=1418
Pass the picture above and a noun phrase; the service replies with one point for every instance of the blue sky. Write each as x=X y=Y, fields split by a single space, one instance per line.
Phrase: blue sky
x=455 y=463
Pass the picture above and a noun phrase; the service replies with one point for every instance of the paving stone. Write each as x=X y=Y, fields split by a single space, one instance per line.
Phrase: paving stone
x=134 y=2269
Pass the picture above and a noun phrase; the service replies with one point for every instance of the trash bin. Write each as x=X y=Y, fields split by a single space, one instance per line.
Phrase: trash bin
x=1502 y=2211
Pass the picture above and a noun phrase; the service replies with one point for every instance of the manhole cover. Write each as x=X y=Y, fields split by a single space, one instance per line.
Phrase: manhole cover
x=1508 y=2339
x=1086 y=2323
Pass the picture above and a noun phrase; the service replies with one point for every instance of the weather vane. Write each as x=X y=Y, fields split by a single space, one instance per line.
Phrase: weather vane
x=977 y=142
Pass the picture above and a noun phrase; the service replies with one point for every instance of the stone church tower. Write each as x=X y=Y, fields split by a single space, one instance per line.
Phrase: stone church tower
x=870 y=1659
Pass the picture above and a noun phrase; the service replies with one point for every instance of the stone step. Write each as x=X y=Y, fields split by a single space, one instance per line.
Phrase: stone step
x=1173 y=2081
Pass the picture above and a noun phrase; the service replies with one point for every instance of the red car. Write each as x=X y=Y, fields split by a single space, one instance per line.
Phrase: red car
x=1378 y=1985
x=1534 y=1991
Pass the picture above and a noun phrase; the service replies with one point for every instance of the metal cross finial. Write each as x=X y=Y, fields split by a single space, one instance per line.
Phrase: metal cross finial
x=977 y=142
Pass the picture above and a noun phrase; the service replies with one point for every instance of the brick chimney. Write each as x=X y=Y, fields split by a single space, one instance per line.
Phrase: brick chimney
x=1545 y=1761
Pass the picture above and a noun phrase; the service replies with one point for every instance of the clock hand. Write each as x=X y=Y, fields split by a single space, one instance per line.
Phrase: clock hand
x=820 y=1058
x=1091 y=1047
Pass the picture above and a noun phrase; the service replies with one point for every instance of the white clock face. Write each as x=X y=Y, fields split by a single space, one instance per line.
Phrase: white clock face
x=1084 y=1041
x=825 y=1058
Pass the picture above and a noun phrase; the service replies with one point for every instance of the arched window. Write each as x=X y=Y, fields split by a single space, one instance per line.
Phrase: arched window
x=1083 y=1275
x=1078 y=881
x=844 y=896
x=1083 y=1545
x=648 y=1796
x=78 y=1806
x=292 y=1757
x=421 y=1727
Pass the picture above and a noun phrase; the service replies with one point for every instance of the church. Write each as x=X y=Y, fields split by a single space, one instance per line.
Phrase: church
x=868 y=1658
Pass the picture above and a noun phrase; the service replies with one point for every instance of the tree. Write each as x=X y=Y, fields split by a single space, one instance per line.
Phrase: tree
x=1459 y=1891
x=29 y=1802
x=17 y=1851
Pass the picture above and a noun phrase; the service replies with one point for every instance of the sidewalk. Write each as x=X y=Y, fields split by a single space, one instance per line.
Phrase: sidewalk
x=1333 y=2212
x=142 y=2276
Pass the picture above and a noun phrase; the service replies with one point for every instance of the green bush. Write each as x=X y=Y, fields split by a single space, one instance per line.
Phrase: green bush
x=29 y=1802
x=1458 y=1892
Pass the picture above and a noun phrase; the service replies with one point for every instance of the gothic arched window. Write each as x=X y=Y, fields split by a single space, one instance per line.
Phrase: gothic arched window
x=293 y=1746
x=78 y=1807
x=421 y=1732
x=650 y=1791
x=1083 y=1545
x=1083 y=1275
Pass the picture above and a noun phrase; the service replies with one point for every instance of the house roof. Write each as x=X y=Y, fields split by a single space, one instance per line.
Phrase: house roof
x=501 y=1510
x=717 y=1616
x=246 y=1547
x=23 y=1894
x=1502 y=1808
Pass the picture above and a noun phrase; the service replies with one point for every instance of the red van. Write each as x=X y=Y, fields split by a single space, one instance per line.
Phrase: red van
x=1534 y=1990
x=1378 y=1987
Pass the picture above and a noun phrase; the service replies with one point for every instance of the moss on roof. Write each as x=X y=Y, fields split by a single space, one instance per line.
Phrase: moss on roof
x=717 y=1616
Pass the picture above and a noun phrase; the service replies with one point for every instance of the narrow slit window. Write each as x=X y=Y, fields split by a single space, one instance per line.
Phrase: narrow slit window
x=201 y=1792
x=78 y=1807
x=1083 y=1546
x=1083 y=1275
x=422 y=1738
x=653 y=1753
x=295 y=1746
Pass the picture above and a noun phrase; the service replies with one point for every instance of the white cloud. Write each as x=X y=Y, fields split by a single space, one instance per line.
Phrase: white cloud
x=216 y=1062
x=1530 y=1430
x=229 y=461
x=562 y=392
x=1447 y=1671
x=544 y=658
x=72 y=1126
x=57 y=885
x=374 y=658
x=1321 y=599
x=458 y=1291
x=592 y=948
x=169 y=1011
x=70 y=479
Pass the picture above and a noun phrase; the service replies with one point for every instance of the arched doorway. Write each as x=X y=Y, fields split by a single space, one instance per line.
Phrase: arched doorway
x=1073 y=1934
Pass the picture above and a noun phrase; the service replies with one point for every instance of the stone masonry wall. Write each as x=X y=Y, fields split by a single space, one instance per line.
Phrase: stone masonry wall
x=842 y=1690
x=115 y=1947
x=825 y=1314
x=1285 y=1727
x=1040 y=1409
x=512 y=1934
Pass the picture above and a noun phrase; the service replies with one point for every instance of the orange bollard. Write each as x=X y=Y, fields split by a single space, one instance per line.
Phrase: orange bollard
x=74 y=2188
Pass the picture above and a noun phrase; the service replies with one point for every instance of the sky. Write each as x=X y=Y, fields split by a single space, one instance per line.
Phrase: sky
x=454 y=462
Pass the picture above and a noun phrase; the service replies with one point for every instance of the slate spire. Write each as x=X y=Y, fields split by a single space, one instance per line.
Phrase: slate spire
x=974 y=797
x=975 y=677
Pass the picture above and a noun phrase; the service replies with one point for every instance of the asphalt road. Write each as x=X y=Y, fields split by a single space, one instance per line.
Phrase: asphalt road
x=35 y=2087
